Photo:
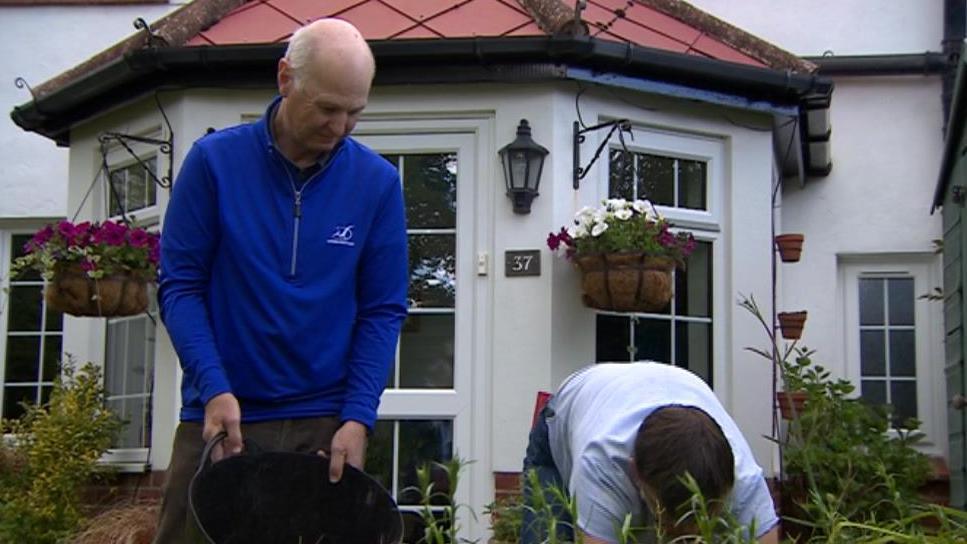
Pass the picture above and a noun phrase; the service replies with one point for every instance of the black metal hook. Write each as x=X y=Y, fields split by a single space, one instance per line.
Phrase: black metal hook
x=164 y=146
x=21 y=83
x=154 y=40
x=621 y=125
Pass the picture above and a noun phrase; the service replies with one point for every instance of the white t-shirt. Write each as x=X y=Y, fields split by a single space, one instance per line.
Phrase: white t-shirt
x=596 y=416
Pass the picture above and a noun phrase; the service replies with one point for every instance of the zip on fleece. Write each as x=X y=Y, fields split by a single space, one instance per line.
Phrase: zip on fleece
x=297 y=207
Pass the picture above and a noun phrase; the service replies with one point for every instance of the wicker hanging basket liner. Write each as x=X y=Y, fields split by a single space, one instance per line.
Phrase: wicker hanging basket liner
x=71 y=291
x=626 y=282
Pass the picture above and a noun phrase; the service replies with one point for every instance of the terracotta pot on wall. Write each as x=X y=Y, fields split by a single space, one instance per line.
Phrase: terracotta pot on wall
x=791 y=324
x=789 y=246
x=791 y=403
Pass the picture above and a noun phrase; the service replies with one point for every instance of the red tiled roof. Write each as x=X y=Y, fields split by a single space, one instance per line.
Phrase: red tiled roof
x=670 y=25
x=262 y=21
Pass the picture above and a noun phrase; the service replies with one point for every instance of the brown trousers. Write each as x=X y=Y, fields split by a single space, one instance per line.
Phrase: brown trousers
x=176 y=524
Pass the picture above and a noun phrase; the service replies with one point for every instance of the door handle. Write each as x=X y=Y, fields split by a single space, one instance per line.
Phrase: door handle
x=959 y=402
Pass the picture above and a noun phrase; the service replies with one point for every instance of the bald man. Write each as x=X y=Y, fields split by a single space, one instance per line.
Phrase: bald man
x=284 y=273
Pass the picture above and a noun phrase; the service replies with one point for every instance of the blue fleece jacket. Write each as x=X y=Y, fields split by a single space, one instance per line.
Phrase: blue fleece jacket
x=289 y=294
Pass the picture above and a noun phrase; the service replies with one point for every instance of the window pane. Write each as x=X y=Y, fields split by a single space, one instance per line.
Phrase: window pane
x=432 y=270
x=422 y=442
x=17 y=242
x=116 y=191
x=430 y=190
x=52 y=347
x=132 y=415
x=901 y=301
x=656 y=179
x=653 y=339
x=55 y=320
x=621 y=174
x=395 y=160
x=903 y=354
x=26 y=303
x=379 y=453
x=872 y=353
x=873 y=392
x=115 y=363
x=13 y=396
x=903 y=397
x=871 y=301
x=693 y=348
x=152 y=187
x=693 y=286
x=137 y=193
x=426 y=351
x=692 y=177
x=23 y=359
x=613 y=339
x=139 y=345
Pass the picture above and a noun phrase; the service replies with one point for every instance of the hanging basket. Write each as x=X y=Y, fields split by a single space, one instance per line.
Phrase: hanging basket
x=71 y=291
x=789 y=246
x=626 y=282
x=791 y=324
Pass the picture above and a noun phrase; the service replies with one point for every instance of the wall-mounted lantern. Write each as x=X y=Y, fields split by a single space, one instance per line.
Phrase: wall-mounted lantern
x=523 y=161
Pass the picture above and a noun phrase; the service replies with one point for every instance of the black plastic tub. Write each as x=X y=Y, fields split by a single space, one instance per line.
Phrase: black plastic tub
x=286 y=498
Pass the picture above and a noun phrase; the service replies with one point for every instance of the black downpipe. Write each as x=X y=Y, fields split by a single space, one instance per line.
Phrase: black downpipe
x=954 y=23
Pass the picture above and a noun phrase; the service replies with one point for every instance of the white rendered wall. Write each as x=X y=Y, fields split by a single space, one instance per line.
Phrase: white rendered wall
x=39 y=43
x=845 y=27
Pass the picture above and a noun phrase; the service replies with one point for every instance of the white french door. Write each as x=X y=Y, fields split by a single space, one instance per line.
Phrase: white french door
x=425 y=413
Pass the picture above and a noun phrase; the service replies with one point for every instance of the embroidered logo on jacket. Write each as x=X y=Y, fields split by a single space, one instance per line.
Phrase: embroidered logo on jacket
x=343 y=236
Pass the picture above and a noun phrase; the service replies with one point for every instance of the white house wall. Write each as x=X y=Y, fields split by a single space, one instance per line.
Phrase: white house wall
x=38 y=43
x=842 y=27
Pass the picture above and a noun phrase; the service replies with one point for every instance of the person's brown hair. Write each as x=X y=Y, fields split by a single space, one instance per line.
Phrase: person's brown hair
x=675 y=440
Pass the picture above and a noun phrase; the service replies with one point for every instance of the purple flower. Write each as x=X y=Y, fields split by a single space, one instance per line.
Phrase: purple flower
x=40 y=238
x=88 y=266
x=110 y=233
x=666 y=238
x=154 y=254
x=140 y=238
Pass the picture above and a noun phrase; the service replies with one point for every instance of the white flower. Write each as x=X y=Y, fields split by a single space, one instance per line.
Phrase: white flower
x=600 y=216
x=624 y=214
x=584 y=214
x=580 y=231
x=599 y=229
x=616 y=204
x=641 y=206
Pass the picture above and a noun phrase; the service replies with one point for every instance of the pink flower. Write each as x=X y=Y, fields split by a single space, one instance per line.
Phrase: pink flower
x=88 y=266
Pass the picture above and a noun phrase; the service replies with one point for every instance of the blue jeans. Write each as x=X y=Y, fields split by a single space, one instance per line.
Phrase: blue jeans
x=538 y=461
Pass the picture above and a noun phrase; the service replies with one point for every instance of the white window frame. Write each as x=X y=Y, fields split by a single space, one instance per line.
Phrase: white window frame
x=928 y=319
x=705 y=225
x=468 y=403
x=681 y=145
x=6 y=251
x=133 y=459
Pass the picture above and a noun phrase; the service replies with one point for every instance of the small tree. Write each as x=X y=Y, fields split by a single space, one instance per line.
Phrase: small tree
x=55 y=451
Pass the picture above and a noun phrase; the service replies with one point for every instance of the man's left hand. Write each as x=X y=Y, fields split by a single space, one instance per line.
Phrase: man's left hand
x=348 y=446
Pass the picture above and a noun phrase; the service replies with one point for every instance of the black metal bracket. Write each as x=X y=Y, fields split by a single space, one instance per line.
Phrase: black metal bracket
x=619 y=125
x=164 y=146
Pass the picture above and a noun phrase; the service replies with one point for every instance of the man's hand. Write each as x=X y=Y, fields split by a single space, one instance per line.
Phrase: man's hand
x=222 y=413
x=348 y=446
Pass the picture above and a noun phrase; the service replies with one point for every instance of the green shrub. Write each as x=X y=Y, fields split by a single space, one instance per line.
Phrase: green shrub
x=55 y=449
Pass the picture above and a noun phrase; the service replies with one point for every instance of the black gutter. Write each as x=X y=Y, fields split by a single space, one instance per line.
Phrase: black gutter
x=927 y=63
x=405 y=62
x=954 y=134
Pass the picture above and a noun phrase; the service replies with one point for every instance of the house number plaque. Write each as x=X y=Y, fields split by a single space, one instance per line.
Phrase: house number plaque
x=522 y=263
